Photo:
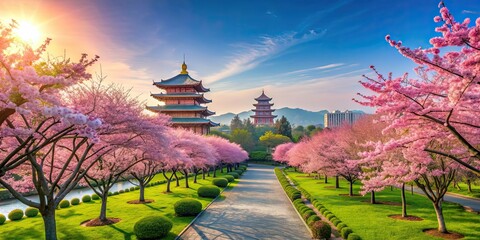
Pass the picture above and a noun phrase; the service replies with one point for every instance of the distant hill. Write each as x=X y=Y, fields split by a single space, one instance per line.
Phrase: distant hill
x=295 y=116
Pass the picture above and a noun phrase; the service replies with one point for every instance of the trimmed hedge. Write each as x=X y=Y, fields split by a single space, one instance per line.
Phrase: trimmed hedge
x=64 y=203
x=152 y=227
x=313 y=219
x=94 y=197
x=230 y=178
x=340 y=226
x=353 y=236
x=86 y=198
x=321 y=230
x=2 y=219
x=31 y=212
x=15 y=215
x=208 y=191
x=220 y=182
x=308 y=214
x=132 y=189
x=187 y=207
x=75 y=201
x=346 y=231
x=234 y=175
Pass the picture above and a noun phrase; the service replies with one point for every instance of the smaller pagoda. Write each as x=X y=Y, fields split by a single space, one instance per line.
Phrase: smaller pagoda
x=263 y=111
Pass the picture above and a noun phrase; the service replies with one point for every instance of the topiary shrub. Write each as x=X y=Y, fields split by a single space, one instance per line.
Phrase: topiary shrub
x=240 y=172
x=230 y=178
x=2 y=219
x=75 y=201
x=353 y=236
x=340 y=226
x=15 y=215
x=87 y=198
x=233 y=174
x=313 y=219
x=152 y=227
x=132 y=188
x=94 y=197
x=330 y=216
x=65 y=203
x=127 y=190
x=321 y=230
x=307 y=214
x=208 y=191
x=115 y=193
x=220 y=182
x=110 y=193
x=187 y=207
x=345 y=232
x=121 y=191
x=137 y=187
x=31 y=212
x=335 y=221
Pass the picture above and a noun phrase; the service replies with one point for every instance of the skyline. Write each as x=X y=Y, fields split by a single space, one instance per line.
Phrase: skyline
x=307 y=55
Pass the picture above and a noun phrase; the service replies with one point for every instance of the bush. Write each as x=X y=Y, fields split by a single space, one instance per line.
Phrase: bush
x=240 y=172
x=65 y=203
x=307 y=214
x=208 y=191
x=345 y=232
x=132 y=188
x=321 y=230
x=220 y=182
x=2 y=219
x=87 y=198
x=354 y=236
x=187 y=207
x=110 y=193
x=330 y=216
x=121 y=191
x=115 y=193
x=15 y=215
x=94 y=197
x=31 y=212
x=259 y=155
x=127 y=190
x=152 y=227
x=303 y=209
x=230 y=178
x=233 y=174
x=340 y=226
x=313 y=219
x=335 y=221
x=137 y=187
x=75 y=201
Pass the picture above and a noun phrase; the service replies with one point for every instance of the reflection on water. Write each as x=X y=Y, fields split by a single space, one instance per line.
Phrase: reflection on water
x=8 y=205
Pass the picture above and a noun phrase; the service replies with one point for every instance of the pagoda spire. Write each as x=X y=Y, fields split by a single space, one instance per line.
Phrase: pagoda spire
x=184 y=67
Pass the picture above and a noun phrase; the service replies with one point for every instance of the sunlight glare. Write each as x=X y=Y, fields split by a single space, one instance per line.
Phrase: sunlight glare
x=28 y=33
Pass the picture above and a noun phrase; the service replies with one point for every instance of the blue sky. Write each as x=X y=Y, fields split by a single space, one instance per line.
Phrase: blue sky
x=306 y=54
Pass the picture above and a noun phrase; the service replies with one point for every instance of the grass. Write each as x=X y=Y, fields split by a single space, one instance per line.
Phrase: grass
x=464 y=190
x=69 y=219
x=372 y=221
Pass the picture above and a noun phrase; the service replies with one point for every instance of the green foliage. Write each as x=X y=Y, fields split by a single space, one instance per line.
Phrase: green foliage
x=240 y=172
x=283 y=127
x=219 y=134
x=354 y=236
x=308 y=214
x=321 y=230
x=259 y=155
x=2 y=219
x=271 y=140
x=15 y=215
x=244 y=138
x=230 y=178
x=188 y=207
x=335 y=221
x=345 y=232
x=121 y=191
x=236 y=123
x=220 y=182
x=65 y=203
x=75 y=201
x=152 y=227
x=340 y=226
x=94 y=197
x=132 y=189
x=330 y=216
x=87 y=198
x=127 y=190
x=208 y=191
x=312 y=219
x=31 y=212
x=234 y=175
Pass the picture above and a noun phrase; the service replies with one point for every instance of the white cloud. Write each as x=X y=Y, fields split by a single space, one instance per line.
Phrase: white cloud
x=329 y=66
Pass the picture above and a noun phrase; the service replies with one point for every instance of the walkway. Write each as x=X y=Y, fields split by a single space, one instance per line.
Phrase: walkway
x=469 y=203
x=256 y=208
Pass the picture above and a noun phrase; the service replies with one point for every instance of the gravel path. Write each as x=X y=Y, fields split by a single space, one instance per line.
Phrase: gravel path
x=256 y=208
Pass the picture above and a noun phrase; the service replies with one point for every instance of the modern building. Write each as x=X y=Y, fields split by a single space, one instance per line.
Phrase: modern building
x=184 y=102
x=263 y=111
x=338 y=118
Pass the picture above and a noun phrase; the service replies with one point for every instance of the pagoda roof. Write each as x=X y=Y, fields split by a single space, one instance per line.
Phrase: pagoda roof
x=199 y=97
x=193 y=121
x=182 y=80
x=181 y=108
x=263 y=116
x=263 y=110
x=262 y=104
x=263 y=97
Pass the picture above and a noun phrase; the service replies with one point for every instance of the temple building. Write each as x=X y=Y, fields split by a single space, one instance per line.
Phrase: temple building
x=263 y=111
x=184 y=102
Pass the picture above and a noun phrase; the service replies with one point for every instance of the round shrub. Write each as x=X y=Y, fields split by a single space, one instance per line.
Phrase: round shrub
x=132 y=188
x=187 y=207
x=313 y=219
x=335 y=221
x=127 y=190
x=75 y=201
x=94 y=197
x=322 y=210
x=326 y=213
x=353 y=236
x=303 y=209
x=220 y=182
x=64 y=203
x=2 y=219
x=234 y=174
x=115 y=193
x=240 y=172
x=297 y=201
x=137 y=187
x=329 y=216
x=307 y=214
x=15 y=215
x=321 y=230
x=152 y=227
x=345 y=232
x=121 y=191
x=230 y=178
x=110 y=193
x=31 y=212
x=87 y=198
x=208 y=191
x=340 y=226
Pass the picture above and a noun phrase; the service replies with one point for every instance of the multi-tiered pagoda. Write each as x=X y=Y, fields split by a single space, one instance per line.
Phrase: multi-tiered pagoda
x=263 y=111
x=183 y=98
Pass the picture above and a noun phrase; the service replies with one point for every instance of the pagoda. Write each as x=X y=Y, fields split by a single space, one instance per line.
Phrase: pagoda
x=183 y=98
x=263 y=112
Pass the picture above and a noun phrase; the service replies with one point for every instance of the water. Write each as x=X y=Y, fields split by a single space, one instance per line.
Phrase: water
x=8 y=205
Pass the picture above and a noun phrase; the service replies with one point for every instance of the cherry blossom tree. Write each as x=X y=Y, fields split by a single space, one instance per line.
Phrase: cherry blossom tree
x=280 y=153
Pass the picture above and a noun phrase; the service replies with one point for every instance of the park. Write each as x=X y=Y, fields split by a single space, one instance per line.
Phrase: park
x=85 y=157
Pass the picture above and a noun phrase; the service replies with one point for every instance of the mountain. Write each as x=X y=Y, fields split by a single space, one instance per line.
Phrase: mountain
x=296 y=116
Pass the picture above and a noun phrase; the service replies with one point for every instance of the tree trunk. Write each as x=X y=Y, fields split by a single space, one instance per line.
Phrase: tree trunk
x=326 y=180
x=411 y=188
x=50 y=223
x=195 y=177
x=103 y=209
x=169 y=180
x=372 y=197
x=221 y=169
x=215 y=172
x=404 y=202
x=186 y=179
x=391 y=188
x=469 y=184
x=178 y=180
x=350 y=191
x=203 y=174
x=441 y=221
x=337 y=182
x=142 y=192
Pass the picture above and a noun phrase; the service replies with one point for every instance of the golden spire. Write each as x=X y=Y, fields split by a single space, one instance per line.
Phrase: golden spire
x=184 y=68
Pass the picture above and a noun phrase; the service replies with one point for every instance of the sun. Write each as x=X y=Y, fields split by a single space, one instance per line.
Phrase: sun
x=28 y=33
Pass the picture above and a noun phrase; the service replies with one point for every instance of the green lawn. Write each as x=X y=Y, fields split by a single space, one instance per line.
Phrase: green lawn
x=464 y=190
x=372 y=221
x=69 y=219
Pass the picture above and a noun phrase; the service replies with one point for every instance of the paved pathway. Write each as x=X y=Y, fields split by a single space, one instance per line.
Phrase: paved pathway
x=256 y=208
x=468 y=202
